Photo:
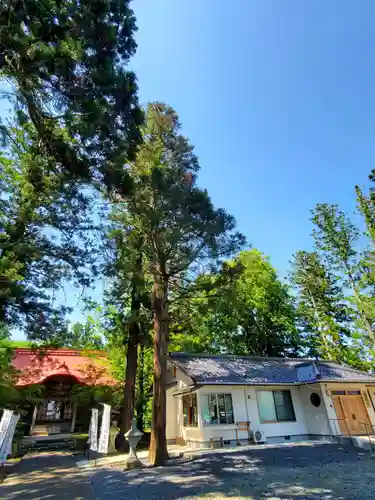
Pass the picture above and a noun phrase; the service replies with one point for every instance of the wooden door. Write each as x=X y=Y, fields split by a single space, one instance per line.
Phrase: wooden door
x=356 y=415
x=340 y=415
x=352 y=414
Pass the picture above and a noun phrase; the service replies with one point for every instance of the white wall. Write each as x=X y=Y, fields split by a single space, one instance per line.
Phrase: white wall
x=316 y=417
x=171 y=414
x=279 y=429
x=175 y=427
x=245 y=408
x=309 y=419
x=226 y=431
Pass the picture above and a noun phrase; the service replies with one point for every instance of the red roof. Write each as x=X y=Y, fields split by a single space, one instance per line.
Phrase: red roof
x=88 y=368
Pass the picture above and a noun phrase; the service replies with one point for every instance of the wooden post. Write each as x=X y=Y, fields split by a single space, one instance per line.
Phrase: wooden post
x=35 y=413
x=237 y=439
x=74 y=417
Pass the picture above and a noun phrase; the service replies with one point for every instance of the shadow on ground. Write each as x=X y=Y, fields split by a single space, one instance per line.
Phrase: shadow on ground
x=51 y=476
x=309 y=472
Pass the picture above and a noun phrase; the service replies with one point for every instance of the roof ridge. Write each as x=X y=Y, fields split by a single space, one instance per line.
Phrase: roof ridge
x=259 y=370
x=344 y=366
x=237 y=356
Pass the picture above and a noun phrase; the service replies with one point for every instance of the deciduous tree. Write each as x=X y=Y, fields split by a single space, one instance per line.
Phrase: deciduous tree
x=336 y=239
x=248 y=311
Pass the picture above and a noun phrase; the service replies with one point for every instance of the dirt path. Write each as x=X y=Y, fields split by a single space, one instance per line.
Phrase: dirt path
x=48 y=475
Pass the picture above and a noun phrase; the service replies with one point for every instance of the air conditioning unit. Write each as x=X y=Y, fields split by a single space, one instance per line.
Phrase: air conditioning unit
x=259 y=437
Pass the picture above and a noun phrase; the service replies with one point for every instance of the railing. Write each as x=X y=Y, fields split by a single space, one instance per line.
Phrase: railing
x=338 y=431
x=366 y=426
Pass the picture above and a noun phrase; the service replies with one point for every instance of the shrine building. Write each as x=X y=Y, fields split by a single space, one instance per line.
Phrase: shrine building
x=58 y=371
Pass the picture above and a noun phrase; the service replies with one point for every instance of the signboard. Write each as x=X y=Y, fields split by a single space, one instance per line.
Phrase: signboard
x=93 y=431
x=104 y=429
x=6 y=445
x=4 y=424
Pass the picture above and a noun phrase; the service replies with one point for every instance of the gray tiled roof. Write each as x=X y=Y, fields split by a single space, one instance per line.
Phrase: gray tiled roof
x=208 y=369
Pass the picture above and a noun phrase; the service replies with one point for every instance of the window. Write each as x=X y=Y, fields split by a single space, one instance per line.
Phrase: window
x=315 y=399
x=348 y=393
x=217 y=409
x=189 y=405
x=55 y=410
x=275 y=406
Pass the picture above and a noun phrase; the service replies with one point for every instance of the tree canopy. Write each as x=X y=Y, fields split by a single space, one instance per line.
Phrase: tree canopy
x=65 y=62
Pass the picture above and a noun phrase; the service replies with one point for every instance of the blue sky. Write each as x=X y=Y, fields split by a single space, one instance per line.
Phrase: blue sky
x=278 y=96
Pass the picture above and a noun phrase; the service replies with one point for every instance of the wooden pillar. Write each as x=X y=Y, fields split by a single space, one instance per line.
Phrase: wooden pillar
x=35 y=413
x=74 y=417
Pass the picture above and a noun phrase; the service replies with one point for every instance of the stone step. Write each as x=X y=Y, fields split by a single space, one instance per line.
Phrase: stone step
x=32 y=445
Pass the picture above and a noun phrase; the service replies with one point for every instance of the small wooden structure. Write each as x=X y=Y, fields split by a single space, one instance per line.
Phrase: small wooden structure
x=243 y=426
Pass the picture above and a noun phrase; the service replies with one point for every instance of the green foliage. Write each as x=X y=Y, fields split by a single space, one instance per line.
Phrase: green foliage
x=8 y=394
x=88 y=335
x=45 y=225
x=67 y=62
x=245 y=310
x=337 y=239
x=14 y=398
x=180 y=228
x=322 y=310
x=19 y=343
x=93 y=396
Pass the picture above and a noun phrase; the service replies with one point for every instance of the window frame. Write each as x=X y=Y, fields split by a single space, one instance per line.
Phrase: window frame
x=217 y=394
x=192 y=418
x=277 y=421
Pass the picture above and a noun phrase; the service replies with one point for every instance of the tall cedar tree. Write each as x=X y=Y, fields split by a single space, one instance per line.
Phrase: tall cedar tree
x=66 y=62
x=45 y=225
x=181 y=231
x=336 y=239
x=322 y=311
x=129 y=293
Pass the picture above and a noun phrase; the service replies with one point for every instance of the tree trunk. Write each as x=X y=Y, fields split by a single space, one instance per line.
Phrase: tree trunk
x=130 y=378
x=132 y=350
x=141 y=391
x=158 y=454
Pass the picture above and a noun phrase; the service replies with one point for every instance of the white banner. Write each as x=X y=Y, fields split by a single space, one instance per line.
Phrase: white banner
x=4 y=424
x=104 y=429
x=93 y=431
x=6 y=446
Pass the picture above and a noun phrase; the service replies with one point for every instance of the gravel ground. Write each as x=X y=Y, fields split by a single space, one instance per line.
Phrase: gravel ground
x=308 y=472
x=46 y=476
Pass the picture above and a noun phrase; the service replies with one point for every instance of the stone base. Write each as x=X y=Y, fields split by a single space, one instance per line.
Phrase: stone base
x=133 y=463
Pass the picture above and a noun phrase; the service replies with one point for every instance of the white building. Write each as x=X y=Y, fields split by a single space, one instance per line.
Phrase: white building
x=212 y=399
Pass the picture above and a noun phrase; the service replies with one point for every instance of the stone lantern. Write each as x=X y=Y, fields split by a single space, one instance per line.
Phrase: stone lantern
x=133 y=436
